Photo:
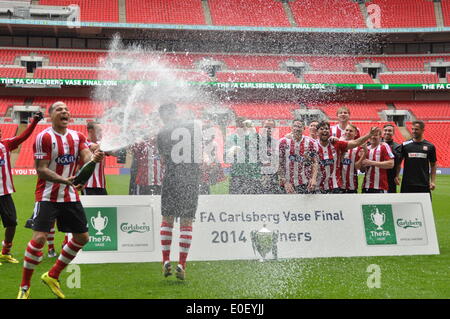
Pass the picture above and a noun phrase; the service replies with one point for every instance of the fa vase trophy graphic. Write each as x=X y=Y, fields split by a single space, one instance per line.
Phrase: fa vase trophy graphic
x=378 y=219
x=264 y=241
x=99 y=223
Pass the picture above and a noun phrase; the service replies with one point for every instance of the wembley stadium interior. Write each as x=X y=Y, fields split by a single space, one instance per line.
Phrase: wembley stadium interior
x=399 y=70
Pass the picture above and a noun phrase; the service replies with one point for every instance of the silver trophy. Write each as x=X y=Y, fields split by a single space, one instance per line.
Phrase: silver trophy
x=264 y=241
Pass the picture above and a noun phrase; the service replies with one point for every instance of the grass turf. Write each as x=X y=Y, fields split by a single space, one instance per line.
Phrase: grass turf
x=401 y=277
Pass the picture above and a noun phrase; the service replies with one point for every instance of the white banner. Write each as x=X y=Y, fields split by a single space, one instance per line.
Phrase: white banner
x=126 y=228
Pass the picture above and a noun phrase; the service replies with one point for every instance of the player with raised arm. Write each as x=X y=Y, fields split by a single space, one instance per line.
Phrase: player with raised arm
x=331 y=152
x=7 y=207
x=56 y=152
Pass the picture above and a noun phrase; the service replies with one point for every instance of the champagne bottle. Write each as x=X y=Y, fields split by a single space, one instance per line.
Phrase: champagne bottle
x=84 y=173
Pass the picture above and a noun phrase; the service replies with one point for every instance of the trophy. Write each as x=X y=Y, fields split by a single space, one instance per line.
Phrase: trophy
x=264 y=241
x=99 y=223
x=378 y=218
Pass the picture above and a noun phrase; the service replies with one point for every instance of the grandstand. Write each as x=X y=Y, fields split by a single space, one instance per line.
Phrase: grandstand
x=258 y=41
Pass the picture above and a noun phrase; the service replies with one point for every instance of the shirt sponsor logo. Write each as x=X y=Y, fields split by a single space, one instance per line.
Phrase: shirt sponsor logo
x=296 y=158
x=346 y=161
x=417 y=155
x=65 y=159
x=327 y=162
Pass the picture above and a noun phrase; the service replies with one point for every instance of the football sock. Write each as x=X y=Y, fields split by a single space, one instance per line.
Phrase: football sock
x=6 y=248
x=51 y=238
x=166 y=240
x=68 y=253
x=33 y=256
x=185 y=244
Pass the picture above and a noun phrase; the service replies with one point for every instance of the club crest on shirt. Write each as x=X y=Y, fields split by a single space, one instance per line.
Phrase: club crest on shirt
x=65 y=159
x=425 y=148
x=2 y=162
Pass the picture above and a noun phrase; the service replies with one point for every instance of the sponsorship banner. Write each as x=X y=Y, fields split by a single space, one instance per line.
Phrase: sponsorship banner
x=126 y=228
x=25 y=82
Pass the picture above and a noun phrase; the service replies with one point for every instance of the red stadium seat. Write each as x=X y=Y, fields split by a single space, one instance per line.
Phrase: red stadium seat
x=358 y=111
x=327 y=14
x=165 y=11
x=98 y=10
x=438 y=133
x=409 y=78
x=8 y=130
x=261 y=13
x=8 y=101
x=337 y=78
x=404 y=13
x=263 y=111
x=13 y=72
x=446 y=12
x=428 y=110
x=256 y=77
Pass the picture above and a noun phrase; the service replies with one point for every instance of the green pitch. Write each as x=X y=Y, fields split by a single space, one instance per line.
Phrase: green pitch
x=401 y=277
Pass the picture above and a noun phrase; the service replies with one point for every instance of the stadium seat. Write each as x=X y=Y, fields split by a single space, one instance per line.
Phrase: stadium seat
x=337 y=78
x=359 y=111
x=8 y=101
x=327 y=14
x=98 y=10
x=261 y=111
x=256 y=77
x=409 y=78
x=427 y=110
x=446 y=12
x=8 y=130
x=261 y=13
x=165 y=11
x=13 y=72
x=438 y=133
x=405 y=13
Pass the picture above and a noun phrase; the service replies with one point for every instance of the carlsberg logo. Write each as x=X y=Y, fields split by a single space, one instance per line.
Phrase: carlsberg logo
x=408 y=223
x=134 y=228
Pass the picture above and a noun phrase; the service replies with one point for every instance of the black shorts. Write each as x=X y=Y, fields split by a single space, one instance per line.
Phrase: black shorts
x=179 y=199
x=148 y=190
x=8 y=211
x=70 y=217
x=94 y=191
x=373 y=191
x=415 y=189
x=350 y=191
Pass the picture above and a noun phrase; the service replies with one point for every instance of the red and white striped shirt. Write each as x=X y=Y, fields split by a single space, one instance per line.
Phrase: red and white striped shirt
x=7 y=185
x=339 y=133
x=149 y=168
x=296 y=159
x=97 y=180
x=62 y=151
x=6 y=146
x=349 y=172
x=329 y=165
x=376 y=177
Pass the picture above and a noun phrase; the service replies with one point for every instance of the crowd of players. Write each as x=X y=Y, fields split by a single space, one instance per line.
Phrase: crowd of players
x=325 y=162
